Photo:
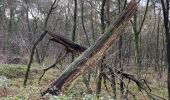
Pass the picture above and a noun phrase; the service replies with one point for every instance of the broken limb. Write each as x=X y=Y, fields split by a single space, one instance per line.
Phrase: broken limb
x=141 y=85
x=61 y=57
x=70 y=45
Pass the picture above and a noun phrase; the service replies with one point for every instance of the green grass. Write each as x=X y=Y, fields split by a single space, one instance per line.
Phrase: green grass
x=12 y=71
x=15 y=90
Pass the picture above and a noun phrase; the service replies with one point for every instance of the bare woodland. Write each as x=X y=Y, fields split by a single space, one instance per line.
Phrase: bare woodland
x=116 y=48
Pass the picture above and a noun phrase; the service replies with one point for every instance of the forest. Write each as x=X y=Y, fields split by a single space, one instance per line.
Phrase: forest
x=84 y=50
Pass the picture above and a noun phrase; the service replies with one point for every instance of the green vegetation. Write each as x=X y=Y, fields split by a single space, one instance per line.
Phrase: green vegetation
x=15 y=91
x=12 y=71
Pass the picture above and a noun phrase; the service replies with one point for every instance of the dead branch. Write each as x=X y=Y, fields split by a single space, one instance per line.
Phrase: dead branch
x=139 y=83
x=61 y=57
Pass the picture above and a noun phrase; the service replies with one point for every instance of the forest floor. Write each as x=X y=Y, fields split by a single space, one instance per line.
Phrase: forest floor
x=12 y=76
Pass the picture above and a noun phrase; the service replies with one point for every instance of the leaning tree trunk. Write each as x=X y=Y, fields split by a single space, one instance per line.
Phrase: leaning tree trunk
x=93 y=54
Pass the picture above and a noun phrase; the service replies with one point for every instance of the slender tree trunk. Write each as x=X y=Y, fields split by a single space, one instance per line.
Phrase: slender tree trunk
x=137 y=31
x=91 y=19
x=74 y=26
x=82 y=20
x=28 y=24
x=36 y=43
x=67 y=24
x=75 y=21
x=158 y=67
x=120 y=50
x=86 y=78
x=165 y=8
x=10 y=34
x=101 y=64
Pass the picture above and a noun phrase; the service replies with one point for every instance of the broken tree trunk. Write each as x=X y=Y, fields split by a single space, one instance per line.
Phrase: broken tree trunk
x=93 y=54
x=70 y=45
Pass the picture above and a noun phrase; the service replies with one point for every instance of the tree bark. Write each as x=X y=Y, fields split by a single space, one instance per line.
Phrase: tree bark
x=165 y=8
x=93 y=54
x=73 y=35
x=70 y=45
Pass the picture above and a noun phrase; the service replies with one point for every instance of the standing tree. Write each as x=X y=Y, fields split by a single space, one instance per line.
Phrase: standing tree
x=137 y=31
x=73 y=35
x=37 y=42
x=100 y=69
x=165 y=8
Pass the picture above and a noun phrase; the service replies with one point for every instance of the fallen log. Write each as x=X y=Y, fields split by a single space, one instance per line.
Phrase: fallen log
x=93 y=54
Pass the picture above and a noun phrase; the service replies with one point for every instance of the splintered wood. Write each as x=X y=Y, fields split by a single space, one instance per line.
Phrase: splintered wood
x=93 y=54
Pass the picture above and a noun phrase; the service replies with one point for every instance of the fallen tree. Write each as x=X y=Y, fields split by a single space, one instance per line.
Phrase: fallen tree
x=108 y=73
x=93 y=54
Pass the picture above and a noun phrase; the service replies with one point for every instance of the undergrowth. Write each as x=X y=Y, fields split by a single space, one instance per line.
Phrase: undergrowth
x=12 y=77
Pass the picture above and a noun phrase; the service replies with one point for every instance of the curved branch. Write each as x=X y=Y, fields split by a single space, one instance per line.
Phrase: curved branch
x=53 y=65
